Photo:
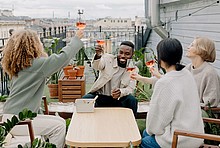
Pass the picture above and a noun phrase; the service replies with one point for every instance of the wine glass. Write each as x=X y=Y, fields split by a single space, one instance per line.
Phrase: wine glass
x=130 y=65
x=100 y=40
x=80 y=24
x=149 y=59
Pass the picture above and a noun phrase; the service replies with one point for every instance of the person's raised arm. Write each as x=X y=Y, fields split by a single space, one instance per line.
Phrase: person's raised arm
x=141 y=78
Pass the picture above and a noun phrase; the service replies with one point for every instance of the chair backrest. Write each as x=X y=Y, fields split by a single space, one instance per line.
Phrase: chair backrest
x=196 y=135
x=30 y=128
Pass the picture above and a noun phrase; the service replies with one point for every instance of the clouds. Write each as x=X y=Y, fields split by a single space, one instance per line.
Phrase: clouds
x=104 y=7
x=61 y=8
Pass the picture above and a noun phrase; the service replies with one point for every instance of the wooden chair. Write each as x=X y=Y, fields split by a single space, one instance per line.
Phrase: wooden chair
x=214 y=110
x=198 y=135
x=13 y=141
x=64 y=115
x=46 y=110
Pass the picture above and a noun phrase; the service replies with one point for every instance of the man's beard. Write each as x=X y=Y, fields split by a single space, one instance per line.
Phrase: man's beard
x=123 y=65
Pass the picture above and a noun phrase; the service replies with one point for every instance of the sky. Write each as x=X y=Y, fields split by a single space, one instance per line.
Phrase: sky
x=68 y=8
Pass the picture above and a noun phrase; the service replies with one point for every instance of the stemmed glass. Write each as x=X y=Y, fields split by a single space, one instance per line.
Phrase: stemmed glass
x=130 y=65
x=80 y=24
x=149 y=59
x=100 y=42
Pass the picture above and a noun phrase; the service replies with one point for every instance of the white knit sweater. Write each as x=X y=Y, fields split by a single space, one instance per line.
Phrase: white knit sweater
x=175 y=105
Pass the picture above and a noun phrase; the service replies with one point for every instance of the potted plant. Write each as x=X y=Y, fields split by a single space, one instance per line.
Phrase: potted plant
x=80 y=57
x=143 y=91
x=52 y=82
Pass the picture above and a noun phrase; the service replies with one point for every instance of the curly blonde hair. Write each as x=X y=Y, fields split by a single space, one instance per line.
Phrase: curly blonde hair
x=22 y=47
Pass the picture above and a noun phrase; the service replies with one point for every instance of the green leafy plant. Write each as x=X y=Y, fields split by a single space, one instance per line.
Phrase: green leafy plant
x=9 y=124
x=38 y=143
x=67 y=123
x=211 y=128
x=80 y=57
x=50 y=46
x=3 y=98
x=143 y=91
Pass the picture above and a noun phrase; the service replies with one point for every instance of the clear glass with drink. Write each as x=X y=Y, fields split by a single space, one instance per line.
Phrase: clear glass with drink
x=149 y=59
x=100 y=42
x=80 y=24
x=130 y=67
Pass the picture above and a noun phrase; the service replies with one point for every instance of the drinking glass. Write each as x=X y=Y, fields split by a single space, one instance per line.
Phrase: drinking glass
x=149 y=59
x=130 y=65
x=100 y=40
x=80 y=24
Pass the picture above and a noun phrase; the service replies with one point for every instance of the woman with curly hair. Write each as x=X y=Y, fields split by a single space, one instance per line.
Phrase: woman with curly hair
x=28 y=66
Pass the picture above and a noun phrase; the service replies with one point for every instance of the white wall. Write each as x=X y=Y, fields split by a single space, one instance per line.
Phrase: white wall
x=185 y=28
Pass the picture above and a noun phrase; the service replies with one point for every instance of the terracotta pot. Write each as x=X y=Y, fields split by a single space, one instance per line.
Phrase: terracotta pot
x=53 y=90
x=80 y=71
x=66 y=68
x=72 y=74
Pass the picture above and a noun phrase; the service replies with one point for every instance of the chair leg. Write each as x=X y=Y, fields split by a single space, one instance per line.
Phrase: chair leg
x=175 y=140
x=44 y=98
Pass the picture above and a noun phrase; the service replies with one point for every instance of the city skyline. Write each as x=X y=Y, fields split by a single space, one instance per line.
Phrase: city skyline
x=93 y=9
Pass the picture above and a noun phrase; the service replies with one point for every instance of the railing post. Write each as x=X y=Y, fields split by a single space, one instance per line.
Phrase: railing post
x=44 y=32
x=65 y=31
x=142 y=36
x=135 y=36
x=59 y=30
x=50 y=33
x=55 y=31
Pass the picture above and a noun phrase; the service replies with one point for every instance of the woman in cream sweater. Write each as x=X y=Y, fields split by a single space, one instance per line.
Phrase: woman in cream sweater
x=175 y=103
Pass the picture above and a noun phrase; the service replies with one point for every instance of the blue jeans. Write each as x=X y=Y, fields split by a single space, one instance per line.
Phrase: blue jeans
x=148 y=141
x=128 y=101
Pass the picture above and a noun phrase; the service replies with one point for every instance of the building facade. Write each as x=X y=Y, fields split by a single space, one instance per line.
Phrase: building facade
x=186 y=20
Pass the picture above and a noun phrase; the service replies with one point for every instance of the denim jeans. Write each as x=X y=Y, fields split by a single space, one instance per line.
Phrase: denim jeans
x=148 y=141
x=128 y=101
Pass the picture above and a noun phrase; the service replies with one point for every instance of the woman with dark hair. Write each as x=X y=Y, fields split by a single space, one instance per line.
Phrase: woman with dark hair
x=174 y=103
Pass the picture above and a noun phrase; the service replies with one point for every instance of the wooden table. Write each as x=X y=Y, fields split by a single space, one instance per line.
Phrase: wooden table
x=106 y=127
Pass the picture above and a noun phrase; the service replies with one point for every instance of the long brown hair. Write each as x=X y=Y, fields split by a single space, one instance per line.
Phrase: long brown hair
x=22 y=47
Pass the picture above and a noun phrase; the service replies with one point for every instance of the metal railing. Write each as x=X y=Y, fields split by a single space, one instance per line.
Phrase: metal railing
x=141 y=36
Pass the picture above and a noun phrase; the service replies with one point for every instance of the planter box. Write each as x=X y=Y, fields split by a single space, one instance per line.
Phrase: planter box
x=71 y=89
